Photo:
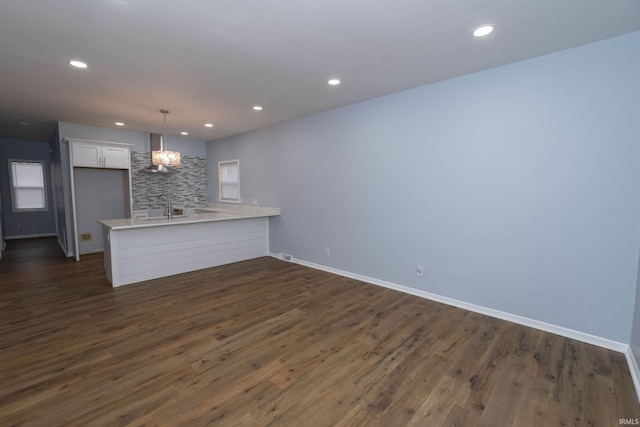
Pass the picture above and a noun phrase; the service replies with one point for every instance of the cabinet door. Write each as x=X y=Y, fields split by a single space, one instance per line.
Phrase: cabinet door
x=87 y=155
x=115 y=157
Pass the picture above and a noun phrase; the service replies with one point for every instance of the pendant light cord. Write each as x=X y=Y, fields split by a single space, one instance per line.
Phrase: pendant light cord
x=164 y=138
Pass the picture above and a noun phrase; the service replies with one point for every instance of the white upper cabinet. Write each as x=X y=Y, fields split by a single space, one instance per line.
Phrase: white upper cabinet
x=87 y=155
x=115 y=157
x=101 y=155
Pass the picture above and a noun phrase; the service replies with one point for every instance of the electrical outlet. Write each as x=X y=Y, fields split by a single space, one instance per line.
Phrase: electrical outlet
x=419 y=270
x=85 y=237
x=327 y=251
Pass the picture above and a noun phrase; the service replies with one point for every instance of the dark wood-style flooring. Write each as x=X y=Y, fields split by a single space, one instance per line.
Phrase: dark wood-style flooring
x=265 y=342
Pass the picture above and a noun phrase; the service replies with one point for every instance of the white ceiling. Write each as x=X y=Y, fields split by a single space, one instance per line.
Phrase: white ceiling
x=212 y=60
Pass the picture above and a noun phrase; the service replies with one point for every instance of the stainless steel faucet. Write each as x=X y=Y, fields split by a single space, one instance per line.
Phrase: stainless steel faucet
x=169 y=212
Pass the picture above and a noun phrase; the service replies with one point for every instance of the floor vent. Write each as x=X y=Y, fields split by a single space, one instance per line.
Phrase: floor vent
x=286 y=257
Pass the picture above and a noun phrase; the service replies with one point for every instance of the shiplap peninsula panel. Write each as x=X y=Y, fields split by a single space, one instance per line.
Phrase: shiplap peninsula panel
x=138 y=254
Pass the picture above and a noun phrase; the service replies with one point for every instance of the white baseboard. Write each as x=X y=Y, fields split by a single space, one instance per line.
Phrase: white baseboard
x=29 y=236
x=95 y=251
x=68 y=254
x=547 y=327
x=634 y=370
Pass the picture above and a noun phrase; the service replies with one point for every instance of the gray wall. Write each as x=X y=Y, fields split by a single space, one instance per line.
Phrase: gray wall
x=25 y=224
x=100 y=194
x=516 y=188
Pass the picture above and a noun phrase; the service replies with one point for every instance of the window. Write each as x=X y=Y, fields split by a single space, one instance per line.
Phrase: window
x=27 y=186
x=229 y=181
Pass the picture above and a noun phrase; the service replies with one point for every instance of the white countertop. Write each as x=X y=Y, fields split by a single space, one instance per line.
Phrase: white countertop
x=212 y=213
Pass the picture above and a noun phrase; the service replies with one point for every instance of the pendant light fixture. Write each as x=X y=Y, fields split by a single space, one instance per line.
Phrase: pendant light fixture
x=163 y=156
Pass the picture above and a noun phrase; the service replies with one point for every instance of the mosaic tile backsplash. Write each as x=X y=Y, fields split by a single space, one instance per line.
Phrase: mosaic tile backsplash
x=184 y=187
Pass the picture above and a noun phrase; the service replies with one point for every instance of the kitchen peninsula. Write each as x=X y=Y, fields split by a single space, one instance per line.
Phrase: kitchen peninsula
x=138 y=249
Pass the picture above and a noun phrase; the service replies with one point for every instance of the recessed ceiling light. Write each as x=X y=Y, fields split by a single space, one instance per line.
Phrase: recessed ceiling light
x=78 y=64
x=184 y=132
x=483 y=31
x=334 y=82
x=119 y=124
x=257 y=108
x=208 y=125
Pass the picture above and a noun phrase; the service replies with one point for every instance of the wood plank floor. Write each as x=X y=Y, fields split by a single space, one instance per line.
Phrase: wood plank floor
x=268 y=343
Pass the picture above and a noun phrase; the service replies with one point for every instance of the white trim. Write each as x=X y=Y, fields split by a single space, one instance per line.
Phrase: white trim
x=68 y=254
x=220 y=199
x=130 y=188
x=634 y=370
x=54 y=201
x=74 y=219
x=96 y=141
x=72 y=143
x=237 y=202
x=547 y=327
x=267 y=240
x=29 y=236
x=12 y=188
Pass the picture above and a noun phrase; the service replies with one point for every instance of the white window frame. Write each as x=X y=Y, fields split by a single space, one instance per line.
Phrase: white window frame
x=221 y=197
x=14 y=188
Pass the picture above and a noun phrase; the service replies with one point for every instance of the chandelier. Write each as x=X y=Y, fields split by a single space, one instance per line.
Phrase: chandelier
x=163 y=156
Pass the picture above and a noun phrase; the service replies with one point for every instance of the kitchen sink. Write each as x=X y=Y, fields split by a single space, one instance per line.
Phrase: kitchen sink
x=149 y=218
